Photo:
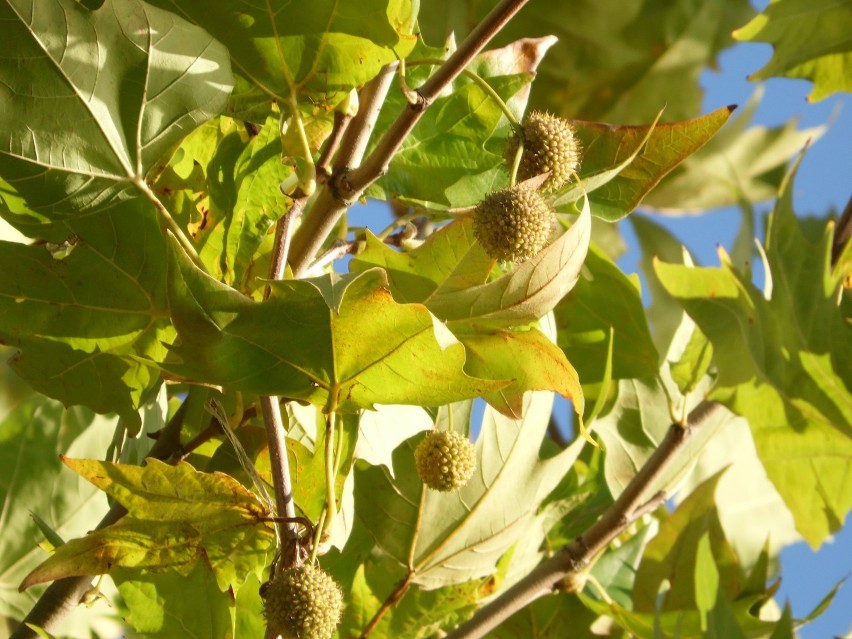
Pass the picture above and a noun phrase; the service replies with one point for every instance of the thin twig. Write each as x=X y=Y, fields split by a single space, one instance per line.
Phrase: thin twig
x=341 y=122
x=270 y=407
x=573 y=557
x=397 y=594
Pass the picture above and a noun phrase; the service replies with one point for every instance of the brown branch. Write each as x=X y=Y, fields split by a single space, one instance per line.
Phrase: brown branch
x=842 y=233
x=270 y=407
x=346 y=185
x=573 y=557
x=329 y=206
x=324 y=169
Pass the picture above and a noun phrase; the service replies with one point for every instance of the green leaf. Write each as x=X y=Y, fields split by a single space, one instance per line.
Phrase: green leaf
x=643 y=156
x=178 y=518
x=674 y=555
x=783 y=364
x=690 y=369
x=310 y=339
x=810 y=40
x=382 y=430
x=32 y=479
x=616 y=60
x=526 y=293
x=549 y=617
x=454 y=155
x=419 y=614
x=79 y=128
x=605 y=299
x=638 y=421
x=741 y=162
x=156 y=601
x=706 y=579
x=530 y=359
x=468 y=530
x=86 y=323
x=287 y=51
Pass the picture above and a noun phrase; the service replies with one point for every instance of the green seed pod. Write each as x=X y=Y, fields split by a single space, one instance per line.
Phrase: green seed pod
x=549 y=145
x=445 y=460
x=513 y=224
x=302 y=603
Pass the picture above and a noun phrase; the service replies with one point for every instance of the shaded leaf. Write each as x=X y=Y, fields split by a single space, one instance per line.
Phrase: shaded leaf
x=605 y=299
x=89 y=324
x=783 y=365
x=80 y=129
x=616 y=60
x=287 y=51
x=469 y=530
x=178 y=518
x=810 y=40
x=675 y=554
x=32 y=479
x=310 y=339
x=382 y=430
x=454 y=155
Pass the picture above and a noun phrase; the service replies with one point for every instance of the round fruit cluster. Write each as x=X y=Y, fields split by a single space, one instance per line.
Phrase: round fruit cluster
x=514 y=224
x=445 y=460
x=302 y=602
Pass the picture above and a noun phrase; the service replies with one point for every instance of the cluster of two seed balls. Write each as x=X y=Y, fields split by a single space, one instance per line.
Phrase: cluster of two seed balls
x=515 y=223
x=304 y=602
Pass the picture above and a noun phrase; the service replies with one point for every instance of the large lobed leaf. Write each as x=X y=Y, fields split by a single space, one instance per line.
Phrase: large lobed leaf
x=286 y=49
x=80 y=127
x=86 y=323
x=468 y=530
x=616 y=60
x=811 y=40
x=177 y=519
x=784 y=364
x=310 y=341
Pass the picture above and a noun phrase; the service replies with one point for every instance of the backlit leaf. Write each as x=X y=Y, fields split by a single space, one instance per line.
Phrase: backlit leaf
x=286 y=50
x=811 y=40
x=178 y=518
x=783 y=365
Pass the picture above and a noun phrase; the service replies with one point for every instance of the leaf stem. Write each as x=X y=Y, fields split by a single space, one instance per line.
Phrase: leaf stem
x=573 y=557
x=481 y=82
x=393 y=599
x=171 y=224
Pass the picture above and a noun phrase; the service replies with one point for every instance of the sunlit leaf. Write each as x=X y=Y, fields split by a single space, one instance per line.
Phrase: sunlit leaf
x=85 y=324
x=178 y=518
x=741 y=162
x=783 y=364
x=658 y=149
x=310 y=339
x=80 y=128
x=811 y=40
x=155 y=601
x=285 y=50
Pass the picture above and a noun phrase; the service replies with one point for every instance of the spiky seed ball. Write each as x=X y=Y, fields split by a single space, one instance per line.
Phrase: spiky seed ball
x=513 y=224
x=549 y=145
x=445 y=460
x=302 y=603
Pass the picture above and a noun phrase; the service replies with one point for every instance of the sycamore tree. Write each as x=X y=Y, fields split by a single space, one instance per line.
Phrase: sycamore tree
x=308 y=428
